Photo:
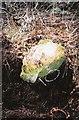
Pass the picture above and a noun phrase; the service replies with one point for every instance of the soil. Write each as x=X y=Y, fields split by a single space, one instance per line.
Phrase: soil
x=57 y=100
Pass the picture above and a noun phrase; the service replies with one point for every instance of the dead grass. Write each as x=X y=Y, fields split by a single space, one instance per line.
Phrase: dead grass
x=38 y=25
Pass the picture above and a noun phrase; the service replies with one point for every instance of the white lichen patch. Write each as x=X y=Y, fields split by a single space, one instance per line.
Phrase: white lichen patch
x=48 y=49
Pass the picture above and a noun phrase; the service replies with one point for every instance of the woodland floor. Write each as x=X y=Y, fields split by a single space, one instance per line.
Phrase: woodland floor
x=59 y=99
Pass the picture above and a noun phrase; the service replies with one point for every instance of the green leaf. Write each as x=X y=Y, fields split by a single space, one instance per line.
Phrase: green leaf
x=56 y=10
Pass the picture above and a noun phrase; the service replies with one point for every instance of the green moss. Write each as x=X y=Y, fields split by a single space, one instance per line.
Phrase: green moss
x=60 y=47
x=44 y=41
x=54 y=65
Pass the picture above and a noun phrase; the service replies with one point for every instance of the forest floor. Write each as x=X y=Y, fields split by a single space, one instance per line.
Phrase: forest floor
x=59 y=99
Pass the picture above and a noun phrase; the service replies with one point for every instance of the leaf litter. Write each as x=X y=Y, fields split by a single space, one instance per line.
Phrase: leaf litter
x=19 y=35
